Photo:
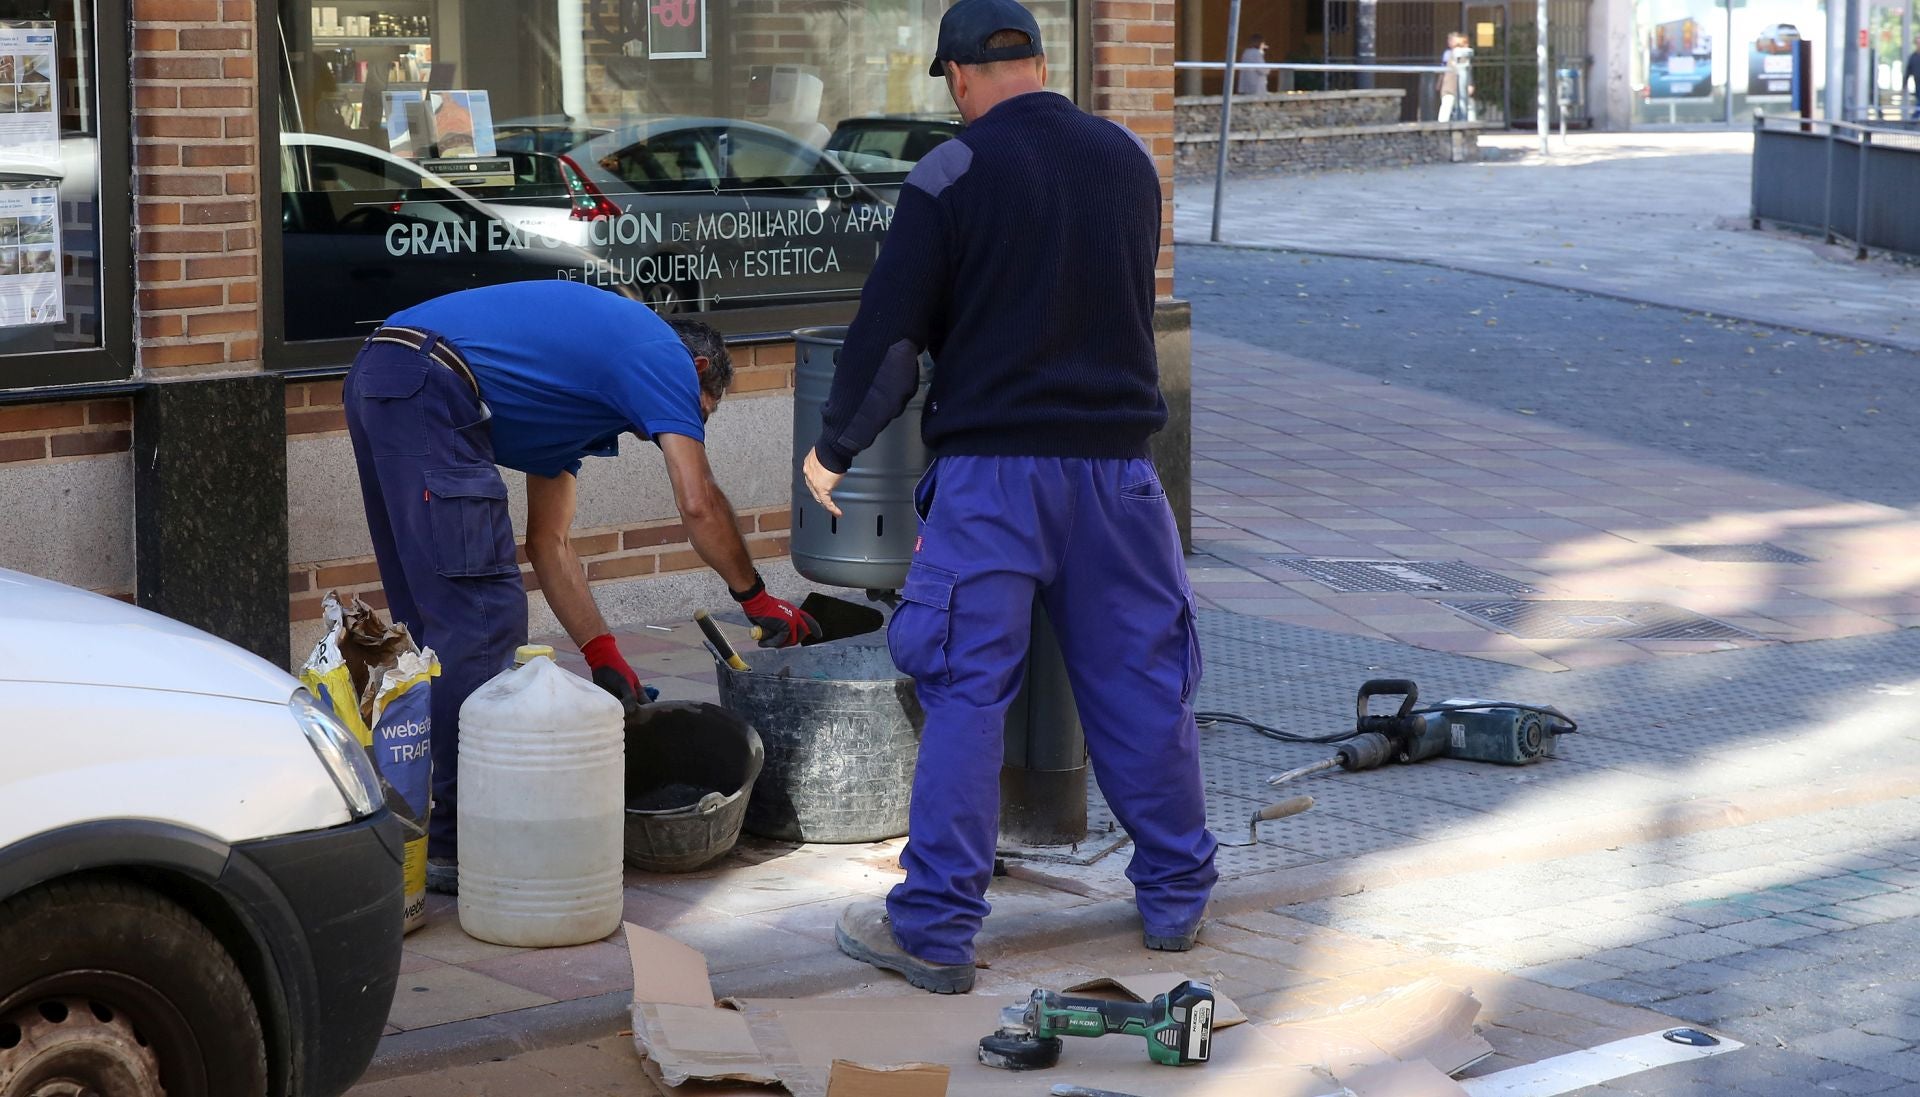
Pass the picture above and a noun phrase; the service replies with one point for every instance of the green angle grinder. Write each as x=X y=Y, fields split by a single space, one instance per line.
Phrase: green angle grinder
x=1177 y=1025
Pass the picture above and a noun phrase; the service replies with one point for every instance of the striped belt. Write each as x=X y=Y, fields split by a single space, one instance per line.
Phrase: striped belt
x=433 y=346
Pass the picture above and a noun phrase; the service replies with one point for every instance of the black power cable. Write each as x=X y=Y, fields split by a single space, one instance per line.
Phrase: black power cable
x=1234 y=719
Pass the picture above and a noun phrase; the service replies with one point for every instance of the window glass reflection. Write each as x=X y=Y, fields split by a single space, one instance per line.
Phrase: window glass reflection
x=698 y=157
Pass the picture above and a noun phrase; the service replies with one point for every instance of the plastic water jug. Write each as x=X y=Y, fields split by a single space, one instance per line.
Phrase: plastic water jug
x=542 y=785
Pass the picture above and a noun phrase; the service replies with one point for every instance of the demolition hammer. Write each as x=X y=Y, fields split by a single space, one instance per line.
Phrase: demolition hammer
x=1506 y=733
x=1177 y=1025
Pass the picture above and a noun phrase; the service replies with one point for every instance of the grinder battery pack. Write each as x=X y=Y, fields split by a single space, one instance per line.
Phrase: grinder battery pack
x=1177 y=1025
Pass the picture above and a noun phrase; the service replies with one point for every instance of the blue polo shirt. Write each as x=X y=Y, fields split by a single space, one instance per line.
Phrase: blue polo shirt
x=565 y=369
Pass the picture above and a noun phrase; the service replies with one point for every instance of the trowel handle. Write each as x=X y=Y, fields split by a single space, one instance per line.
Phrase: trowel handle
x=1292 y=805
x=719 y=641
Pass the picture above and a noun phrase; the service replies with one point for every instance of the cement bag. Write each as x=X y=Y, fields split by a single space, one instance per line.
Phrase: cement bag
x=378 y=683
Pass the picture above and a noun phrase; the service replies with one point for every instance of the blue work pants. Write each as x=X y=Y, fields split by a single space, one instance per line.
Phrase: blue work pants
x=1096 y=541
x=442 y=536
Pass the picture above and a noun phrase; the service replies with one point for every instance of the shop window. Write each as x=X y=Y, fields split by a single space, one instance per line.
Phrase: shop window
x=740 y=159
x=64 y=283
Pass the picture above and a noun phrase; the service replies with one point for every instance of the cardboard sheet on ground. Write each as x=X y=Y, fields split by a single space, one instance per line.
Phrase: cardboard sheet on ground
x=747 y=1044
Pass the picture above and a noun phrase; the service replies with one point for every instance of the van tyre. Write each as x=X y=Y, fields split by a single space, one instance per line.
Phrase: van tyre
x=108 y=987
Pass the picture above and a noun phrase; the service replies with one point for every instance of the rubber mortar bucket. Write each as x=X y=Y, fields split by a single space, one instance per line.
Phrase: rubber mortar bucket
x=842 y=730
x=691 y=768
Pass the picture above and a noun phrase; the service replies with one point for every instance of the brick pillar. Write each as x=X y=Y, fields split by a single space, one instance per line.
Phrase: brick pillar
x=1133 y=85
x=197 y=174
x=210 y=487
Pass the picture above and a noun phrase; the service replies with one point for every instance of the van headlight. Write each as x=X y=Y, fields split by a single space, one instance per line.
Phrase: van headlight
x=342 y=754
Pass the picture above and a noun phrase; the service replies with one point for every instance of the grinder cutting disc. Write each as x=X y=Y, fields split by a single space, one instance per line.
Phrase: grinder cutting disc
x=1019 y=1051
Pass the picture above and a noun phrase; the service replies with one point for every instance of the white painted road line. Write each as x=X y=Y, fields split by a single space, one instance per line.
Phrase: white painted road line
x=1579 y=1069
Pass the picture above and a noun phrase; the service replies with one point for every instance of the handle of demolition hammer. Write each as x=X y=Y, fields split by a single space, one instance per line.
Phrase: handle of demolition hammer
x=1402 y=688
x=1292 y=805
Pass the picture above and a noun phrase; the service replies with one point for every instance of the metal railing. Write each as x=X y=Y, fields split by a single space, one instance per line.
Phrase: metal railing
x=1843 y=180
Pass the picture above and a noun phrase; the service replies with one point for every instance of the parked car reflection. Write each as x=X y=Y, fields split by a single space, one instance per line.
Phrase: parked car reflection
x=365 y=233
x=701 y=213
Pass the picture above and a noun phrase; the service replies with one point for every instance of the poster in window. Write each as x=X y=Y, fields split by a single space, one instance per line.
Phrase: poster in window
x=30 y=256
x=676 y=29
x=29 y=122
x=1680 y=60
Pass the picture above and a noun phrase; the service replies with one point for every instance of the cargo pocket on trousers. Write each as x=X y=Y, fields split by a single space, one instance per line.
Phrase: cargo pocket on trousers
x=917 y=638
x=1195 y=664
x=467 y=514
x=390 y=407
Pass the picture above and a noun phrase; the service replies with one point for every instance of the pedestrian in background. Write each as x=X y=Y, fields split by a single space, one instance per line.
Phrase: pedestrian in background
x=1456 y=84
x=1023 y=255
x=1910 y=83
x=1252 y=81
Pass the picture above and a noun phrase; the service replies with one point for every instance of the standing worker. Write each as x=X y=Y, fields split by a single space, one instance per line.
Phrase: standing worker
x=450 y=388
x=1022 y=255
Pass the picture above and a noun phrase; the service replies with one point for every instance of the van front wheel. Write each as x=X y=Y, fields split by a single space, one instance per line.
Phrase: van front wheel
x=111 y=988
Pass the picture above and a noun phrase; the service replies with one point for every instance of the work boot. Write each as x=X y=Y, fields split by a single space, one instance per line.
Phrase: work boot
x=865 y=934
x=443 y=875
x=1173 y=942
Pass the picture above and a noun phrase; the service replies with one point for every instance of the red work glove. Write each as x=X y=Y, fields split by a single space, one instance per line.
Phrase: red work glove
x=782 y=624
x=610 y=669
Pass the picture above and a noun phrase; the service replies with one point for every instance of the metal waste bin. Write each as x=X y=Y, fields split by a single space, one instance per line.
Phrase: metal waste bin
x=871 y=544
x=1044 y=780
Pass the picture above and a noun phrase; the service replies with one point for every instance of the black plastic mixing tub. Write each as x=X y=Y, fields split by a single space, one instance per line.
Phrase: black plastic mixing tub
x=841 y=728
x=691 y=768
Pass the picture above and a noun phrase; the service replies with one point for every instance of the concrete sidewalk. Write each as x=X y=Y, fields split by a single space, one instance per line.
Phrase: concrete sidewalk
x=1294 y=459
x=1657 y=217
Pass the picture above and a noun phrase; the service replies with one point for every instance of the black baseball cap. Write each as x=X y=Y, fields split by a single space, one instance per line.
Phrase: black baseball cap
x=967 y=25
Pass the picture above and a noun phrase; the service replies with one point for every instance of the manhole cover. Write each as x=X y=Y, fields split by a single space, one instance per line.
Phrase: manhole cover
x=1570 y=620
x=1739 y=554
x=1378 y=576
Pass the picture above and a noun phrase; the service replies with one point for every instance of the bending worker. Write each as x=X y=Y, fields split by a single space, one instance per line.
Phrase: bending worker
x=450 y=388
x=1022 y=255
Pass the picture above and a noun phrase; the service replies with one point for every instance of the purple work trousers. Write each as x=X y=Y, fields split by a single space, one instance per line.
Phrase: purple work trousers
x=1095 y=539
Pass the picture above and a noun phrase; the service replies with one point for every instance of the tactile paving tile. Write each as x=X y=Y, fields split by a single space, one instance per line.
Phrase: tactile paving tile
x=1567 y=619
x=1758 y=553
x=1412 y=576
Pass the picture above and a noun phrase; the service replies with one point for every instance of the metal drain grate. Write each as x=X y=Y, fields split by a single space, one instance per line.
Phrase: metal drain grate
x=1386 y=576
x=1571 y=620
x=1739 y=554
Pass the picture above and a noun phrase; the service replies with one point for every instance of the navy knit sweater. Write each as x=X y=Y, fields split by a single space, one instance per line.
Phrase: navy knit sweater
x=1022 y=255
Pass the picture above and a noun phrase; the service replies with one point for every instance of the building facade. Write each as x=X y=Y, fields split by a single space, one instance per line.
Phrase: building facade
x=171 y=348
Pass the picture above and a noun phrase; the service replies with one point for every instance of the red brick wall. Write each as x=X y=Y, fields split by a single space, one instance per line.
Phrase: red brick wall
x=197 y=197
x=41 y=432
x=1133 y=85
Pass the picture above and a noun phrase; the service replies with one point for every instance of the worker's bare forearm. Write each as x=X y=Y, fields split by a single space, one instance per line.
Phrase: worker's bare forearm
x=715 y=534
x=564 y=582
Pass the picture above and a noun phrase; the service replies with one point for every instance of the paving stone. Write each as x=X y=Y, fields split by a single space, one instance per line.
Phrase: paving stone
x=1850 y=1046
x=1862 y=1082
x=1900 y=1026
x=1568 y=973
x=1901 y=1064
x=1694 y=946
x=1763 y=932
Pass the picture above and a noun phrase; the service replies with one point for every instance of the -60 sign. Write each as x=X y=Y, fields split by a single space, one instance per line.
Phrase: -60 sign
x=677 y=29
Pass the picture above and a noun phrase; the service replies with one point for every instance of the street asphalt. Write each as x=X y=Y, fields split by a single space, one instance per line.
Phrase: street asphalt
x=1835 y=415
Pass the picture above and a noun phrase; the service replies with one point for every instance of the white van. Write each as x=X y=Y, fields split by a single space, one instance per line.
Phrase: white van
x=200 y=886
